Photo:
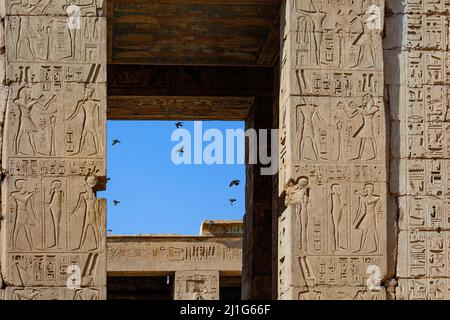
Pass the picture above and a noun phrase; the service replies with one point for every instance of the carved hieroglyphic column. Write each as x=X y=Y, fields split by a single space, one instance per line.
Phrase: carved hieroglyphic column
x=332 y=232
x=196 y=285
x=54 y=151
x=3 y=97
x=417 y=57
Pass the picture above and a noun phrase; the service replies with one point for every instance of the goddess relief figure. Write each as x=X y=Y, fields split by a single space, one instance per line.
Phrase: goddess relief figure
x=298 y=194
x=55 y=206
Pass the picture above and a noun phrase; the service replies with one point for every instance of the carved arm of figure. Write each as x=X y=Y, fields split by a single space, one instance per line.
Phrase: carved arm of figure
x=80 y=200
x=46 y=104
x=317 y=113
x=51 y=194
x=373 y=199
x=353 y=112
x=20 y=104
x=77 y=109
x=373 y=110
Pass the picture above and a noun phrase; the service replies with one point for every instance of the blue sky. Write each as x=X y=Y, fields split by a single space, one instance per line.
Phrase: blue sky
x=159 y=197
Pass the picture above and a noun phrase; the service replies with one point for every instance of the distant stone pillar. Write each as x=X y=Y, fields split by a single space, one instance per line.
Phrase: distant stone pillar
x=54 y=232
x=333 y=177
x=418 y=78
x=196 y=285
x=257 y=244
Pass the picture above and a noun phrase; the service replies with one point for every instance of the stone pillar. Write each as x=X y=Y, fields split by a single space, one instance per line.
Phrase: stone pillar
x=257 y=245
x=332 y=231
x=3 y=97
x=196 y=285
x=416 y=50
x=54 y=152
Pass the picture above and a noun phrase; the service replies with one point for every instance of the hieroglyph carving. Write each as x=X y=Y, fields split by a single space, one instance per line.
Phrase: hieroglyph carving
x=333 y=168
x=420 y=121
x=55 y=151
x=197 y=285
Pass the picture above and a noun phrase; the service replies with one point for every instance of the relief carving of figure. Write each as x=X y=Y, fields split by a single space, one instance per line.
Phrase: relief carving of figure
x=198 y=290
x=341 y=118
x=91 y=115
x=26 y=33
x=25 y=213
x=88 y=200
x=337 y=209
x=309 y=31
x=366 y=132
x=333 y=44
x=365 y=223
x=26 y=128
x=55 y=206
x=298 y=194
x=306 y=127
x=362 y=41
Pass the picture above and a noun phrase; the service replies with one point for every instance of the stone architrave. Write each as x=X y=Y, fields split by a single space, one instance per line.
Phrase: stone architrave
x=54 y=151
x=196 y=285
x=332 y=241
x=416 y=52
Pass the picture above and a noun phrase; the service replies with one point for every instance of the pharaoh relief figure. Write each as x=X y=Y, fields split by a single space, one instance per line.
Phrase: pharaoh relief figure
x=368 y=147
x=26 y=127
x=298 y=195
x=25 y=215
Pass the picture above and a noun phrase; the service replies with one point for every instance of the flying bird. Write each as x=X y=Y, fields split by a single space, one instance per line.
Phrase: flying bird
x=116 y=141
x=110 y=231
x=235 y=183
x=179 y=125
x=116 y=203
x=232 y=201
x=181 y=150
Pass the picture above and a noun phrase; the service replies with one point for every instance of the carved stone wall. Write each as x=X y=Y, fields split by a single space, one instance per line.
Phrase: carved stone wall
x=416 y=51
x=54 y=232
x=162 y=254
x=333 y=177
